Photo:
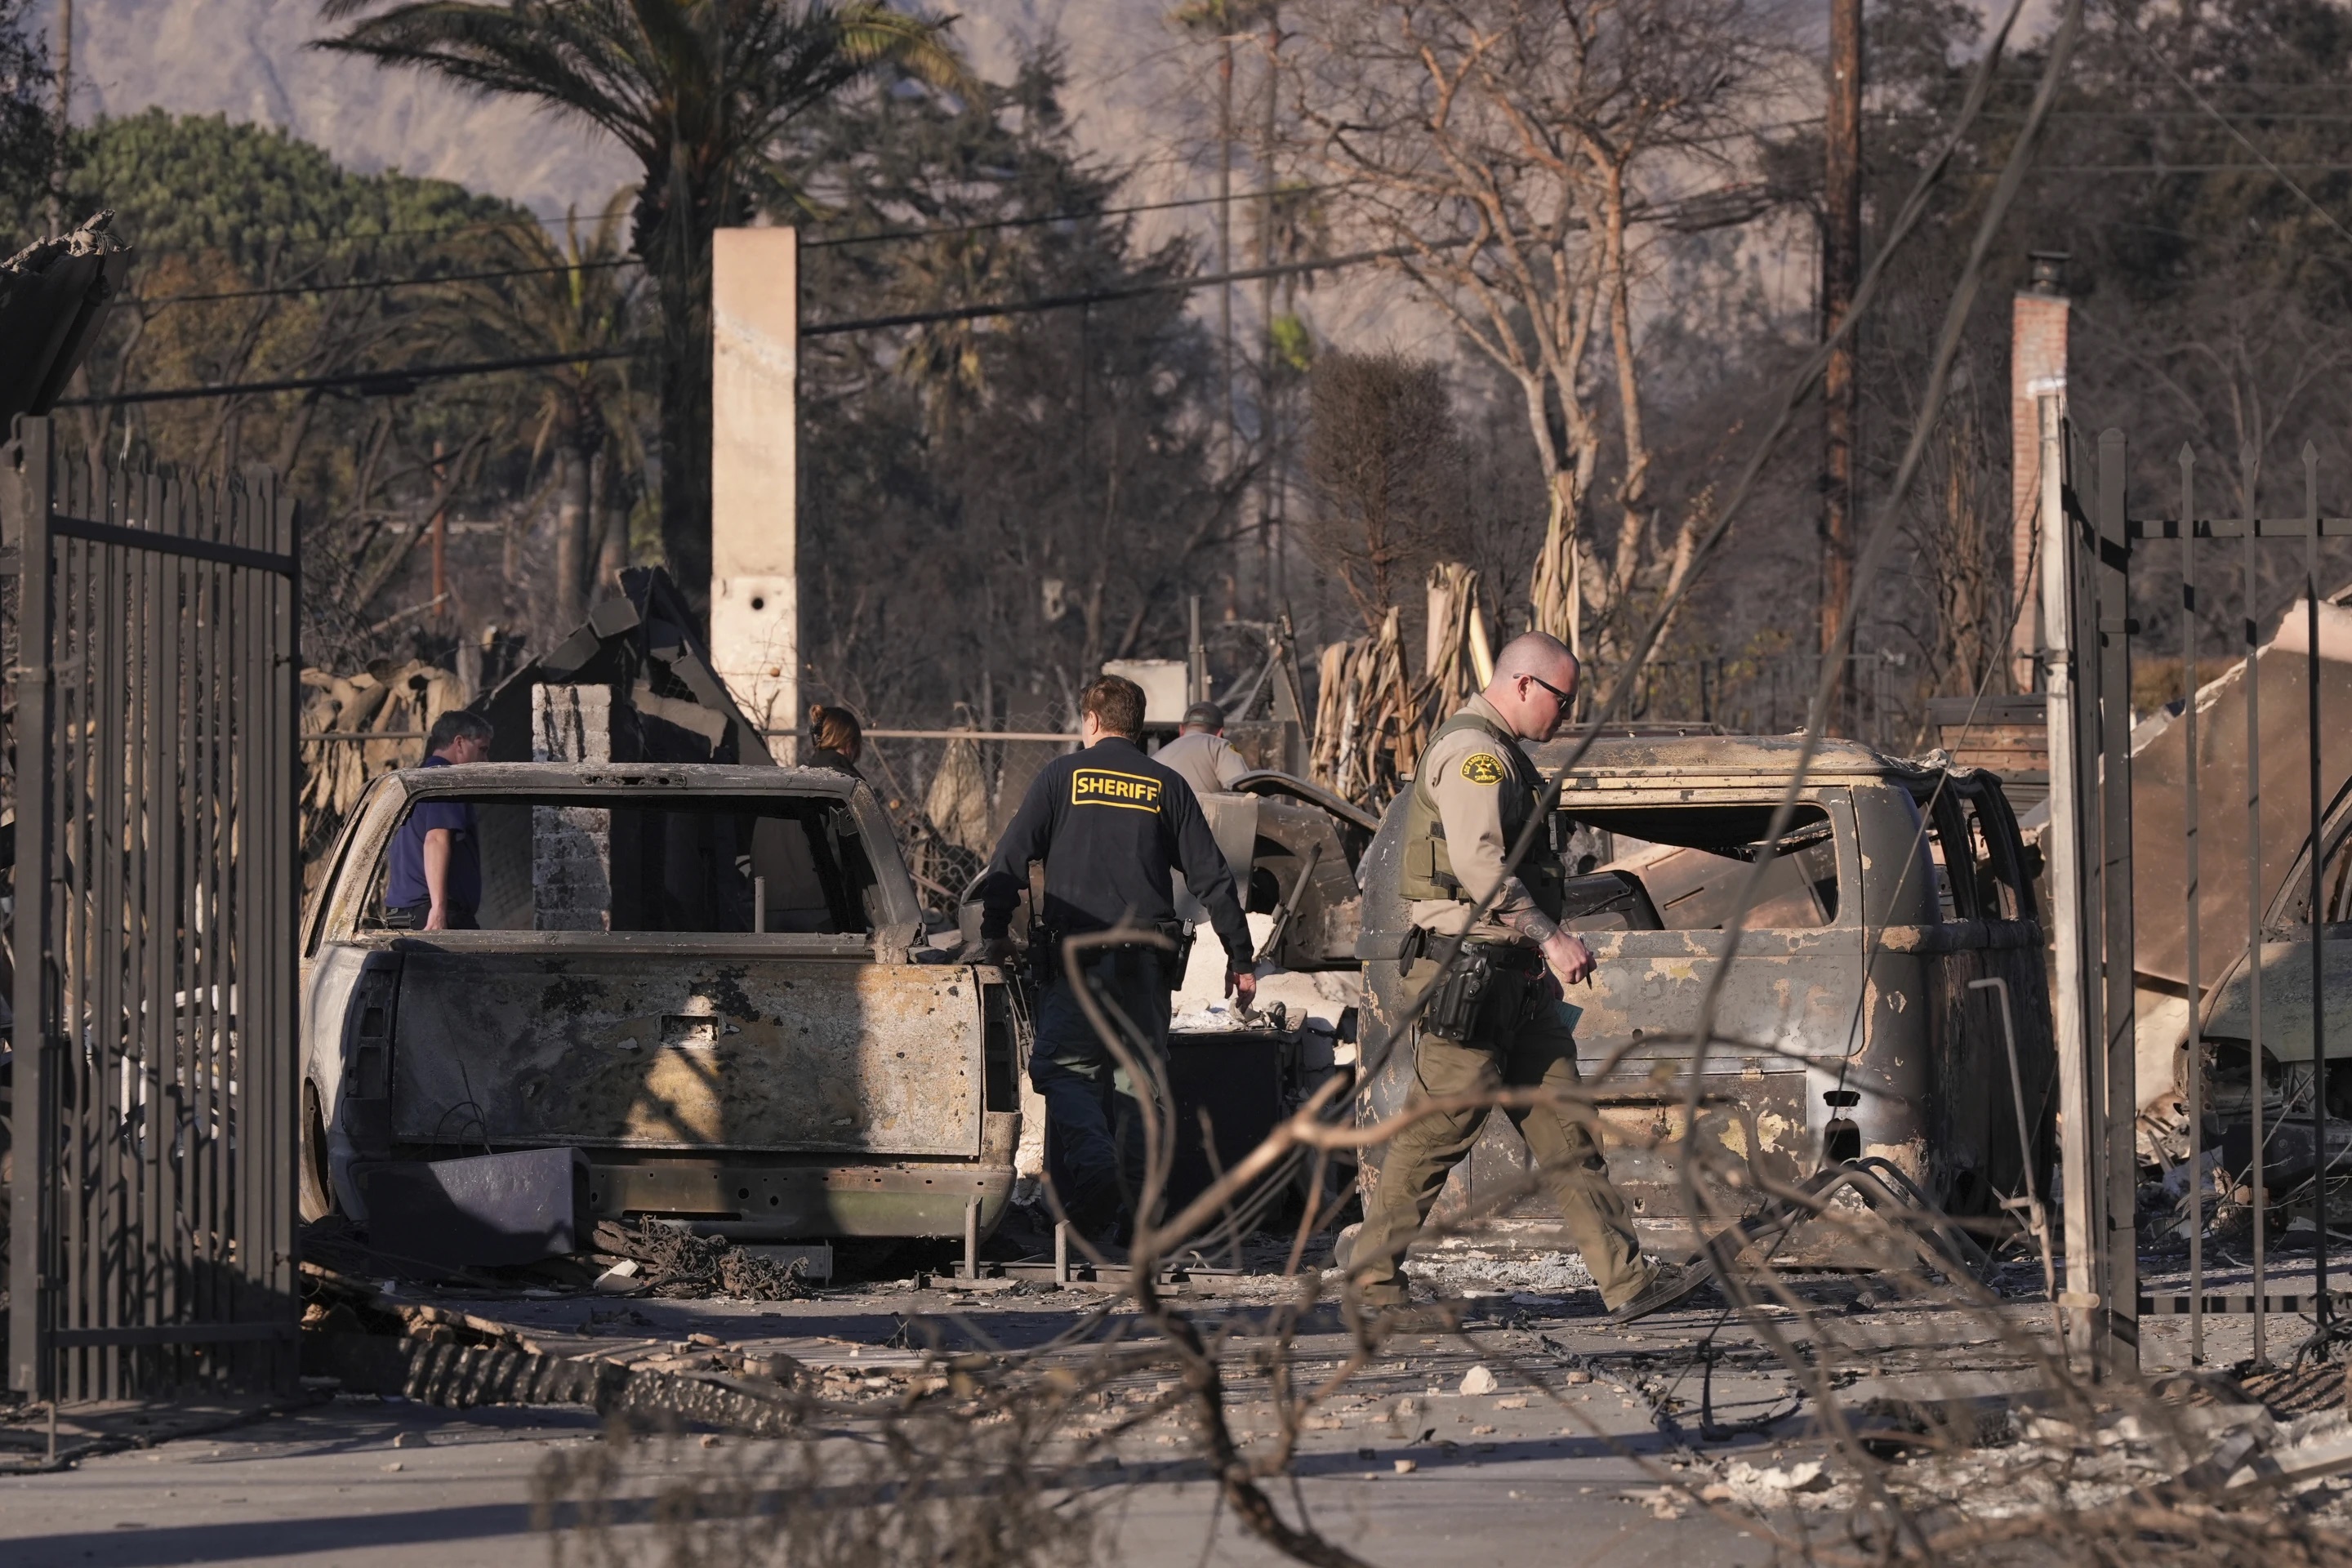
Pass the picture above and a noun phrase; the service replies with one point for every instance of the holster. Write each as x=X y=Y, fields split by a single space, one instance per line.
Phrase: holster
x=1492 y=989
x=1173 y=962
x=1453 y=1011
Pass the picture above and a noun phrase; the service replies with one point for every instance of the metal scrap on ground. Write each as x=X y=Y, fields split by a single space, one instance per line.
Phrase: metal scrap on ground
x=675 y=1262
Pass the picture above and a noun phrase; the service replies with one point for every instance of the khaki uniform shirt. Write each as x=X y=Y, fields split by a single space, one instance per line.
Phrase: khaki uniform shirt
x=1467 y=774
x=1208 y=764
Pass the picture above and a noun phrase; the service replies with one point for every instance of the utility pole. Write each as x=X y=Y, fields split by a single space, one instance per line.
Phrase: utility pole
x=65 y=110
x=1268 y=438
x=1840 y=271
x=1225 y=226
x=440 y=607
x=1265 y=325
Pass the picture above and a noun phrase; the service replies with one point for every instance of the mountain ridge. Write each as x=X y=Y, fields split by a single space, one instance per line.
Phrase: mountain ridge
x=130 y=55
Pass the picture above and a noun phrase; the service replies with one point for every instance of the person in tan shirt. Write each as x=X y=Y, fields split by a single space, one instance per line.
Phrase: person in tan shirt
x=1474 y=792
x=1200 y=753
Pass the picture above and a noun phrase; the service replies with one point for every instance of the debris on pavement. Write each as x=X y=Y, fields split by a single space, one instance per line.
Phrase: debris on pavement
x=675 y=1262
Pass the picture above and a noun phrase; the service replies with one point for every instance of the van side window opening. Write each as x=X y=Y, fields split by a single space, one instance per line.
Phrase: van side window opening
x=565 y=863
x=1999 y=882
x=1681 y=868
x=1952 y=849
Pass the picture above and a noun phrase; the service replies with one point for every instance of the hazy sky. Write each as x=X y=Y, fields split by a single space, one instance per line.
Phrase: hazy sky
x=248 y=59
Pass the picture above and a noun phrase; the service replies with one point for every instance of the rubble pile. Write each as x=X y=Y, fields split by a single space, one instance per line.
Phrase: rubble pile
x=2218 y=1454
x=673 y=1262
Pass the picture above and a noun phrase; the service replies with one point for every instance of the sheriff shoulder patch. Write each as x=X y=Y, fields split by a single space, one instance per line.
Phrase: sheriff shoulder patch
x=1483 y=768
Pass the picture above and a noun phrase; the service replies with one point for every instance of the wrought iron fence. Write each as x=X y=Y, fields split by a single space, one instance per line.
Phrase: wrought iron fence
x=154 y=942
x=2199 y=869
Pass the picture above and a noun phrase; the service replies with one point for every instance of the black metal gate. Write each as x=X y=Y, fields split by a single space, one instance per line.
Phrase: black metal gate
x=157 y=892
x=2234 y=810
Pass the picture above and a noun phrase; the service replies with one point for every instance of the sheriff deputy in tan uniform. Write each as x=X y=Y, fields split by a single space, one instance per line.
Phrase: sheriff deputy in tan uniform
x=1498 y=1021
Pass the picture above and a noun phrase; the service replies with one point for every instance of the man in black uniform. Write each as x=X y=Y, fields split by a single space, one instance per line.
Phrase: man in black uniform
x=1110 y=824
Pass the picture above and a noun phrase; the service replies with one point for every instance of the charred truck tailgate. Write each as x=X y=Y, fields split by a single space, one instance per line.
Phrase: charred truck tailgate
x=771 y=1083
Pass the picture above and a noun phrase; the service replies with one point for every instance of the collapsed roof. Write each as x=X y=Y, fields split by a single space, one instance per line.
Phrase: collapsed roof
x=52 y=295
x=668 y=705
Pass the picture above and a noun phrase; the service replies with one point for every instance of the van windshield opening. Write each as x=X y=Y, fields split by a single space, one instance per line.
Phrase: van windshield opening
x=718 y=864
x=1681 y=868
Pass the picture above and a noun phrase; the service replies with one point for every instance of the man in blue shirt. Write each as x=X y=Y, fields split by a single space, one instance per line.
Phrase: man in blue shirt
x=435 y=881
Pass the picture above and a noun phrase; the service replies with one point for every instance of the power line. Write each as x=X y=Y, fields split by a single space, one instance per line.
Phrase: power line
x=2240 y=137
x=367 y=382
x=521 y=220
x=389 y=282
x=389 y=383
x=824 y=244
x=1060 y=217
x=2264 y=167
x=1100 y=296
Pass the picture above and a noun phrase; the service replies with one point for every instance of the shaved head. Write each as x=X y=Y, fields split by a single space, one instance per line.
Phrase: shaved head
x=1535 y=678
x=1536 y=654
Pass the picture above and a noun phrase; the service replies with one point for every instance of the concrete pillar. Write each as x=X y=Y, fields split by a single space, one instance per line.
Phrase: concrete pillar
x=754 y=476
x=2037 y=369
x=571 y=846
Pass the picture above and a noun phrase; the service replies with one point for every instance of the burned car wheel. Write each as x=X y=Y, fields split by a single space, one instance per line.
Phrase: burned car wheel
x=316 y=1194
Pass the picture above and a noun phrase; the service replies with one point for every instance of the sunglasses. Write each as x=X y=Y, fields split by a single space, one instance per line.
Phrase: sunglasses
x=1564 y=698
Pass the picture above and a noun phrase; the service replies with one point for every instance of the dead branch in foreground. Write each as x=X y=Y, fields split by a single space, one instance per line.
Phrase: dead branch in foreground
x=1002 y=1458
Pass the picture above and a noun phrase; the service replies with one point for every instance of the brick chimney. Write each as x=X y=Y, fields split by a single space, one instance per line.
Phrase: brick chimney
x=2037 y=369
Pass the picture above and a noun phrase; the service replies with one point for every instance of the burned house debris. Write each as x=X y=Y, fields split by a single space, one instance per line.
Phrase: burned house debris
x=2229 y=770
x=53 y=294
x=649 y=694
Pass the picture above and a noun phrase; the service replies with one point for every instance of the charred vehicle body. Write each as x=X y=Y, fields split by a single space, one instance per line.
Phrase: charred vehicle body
x=2287 y=1023
x=1848 y=1028
x=704 y=977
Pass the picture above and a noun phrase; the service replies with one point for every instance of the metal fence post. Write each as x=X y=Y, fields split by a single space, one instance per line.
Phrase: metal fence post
x=2071 y=911
x=2250 y=581
x=2118 y=1353
x=33 y=1195
x=2312 y=735
x=2191 y=893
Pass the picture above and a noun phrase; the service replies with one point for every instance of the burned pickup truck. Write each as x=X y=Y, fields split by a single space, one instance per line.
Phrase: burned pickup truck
x=702 y=977
x=1848 y=1028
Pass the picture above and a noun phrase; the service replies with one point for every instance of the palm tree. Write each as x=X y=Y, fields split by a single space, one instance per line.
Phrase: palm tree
x=577 y=296
x=702 y=92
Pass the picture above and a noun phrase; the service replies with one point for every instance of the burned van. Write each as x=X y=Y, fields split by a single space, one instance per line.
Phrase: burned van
x=1848 y=1028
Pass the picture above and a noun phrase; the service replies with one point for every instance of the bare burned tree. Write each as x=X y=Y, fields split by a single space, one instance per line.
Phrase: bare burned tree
x=1386 y=464
x=1515 y=151
x=1959 y=541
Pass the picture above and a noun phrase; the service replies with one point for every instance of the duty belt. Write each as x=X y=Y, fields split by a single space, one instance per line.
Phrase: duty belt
x=1512 y=955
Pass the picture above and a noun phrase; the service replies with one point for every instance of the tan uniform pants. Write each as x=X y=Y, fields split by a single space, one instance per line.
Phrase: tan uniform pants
x=1568 y=1156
